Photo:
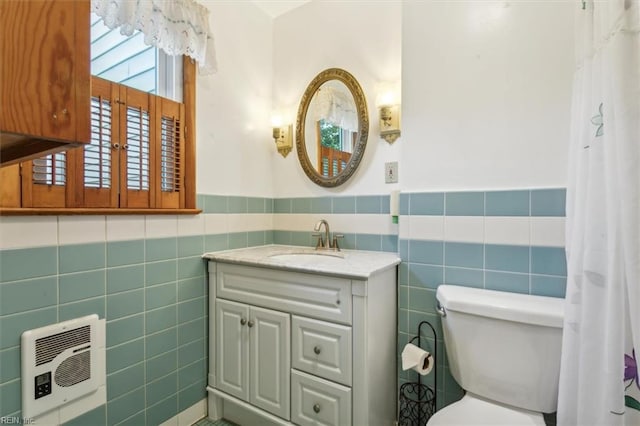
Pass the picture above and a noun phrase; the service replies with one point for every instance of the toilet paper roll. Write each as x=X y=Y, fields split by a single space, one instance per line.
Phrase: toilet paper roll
x=417 y=359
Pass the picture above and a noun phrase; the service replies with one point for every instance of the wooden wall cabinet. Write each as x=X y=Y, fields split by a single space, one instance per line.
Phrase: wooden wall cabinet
x=44 y=77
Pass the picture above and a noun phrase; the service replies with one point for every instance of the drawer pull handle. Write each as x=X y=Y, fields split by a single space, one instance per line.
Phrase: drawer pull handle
x=243 y=321
x=250 y=323
x=317 y=350
x=316 y=408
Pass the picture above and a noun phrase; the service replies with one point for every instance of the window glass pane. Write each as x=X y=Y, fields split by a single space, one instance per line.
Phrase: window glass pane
x=330 y=135
x=128 y=60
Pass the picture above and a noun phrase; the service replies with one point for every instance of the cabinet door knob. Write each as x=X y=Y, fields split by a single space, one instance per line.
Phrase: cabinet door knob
x=317 y=350
x=243 y=321
x=250 y=323
x=316 y=408
x=116 y=146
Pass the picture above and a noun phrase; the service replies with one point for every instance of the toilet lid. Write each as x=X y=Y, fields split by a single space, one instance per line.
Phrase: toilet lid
x=472 y=411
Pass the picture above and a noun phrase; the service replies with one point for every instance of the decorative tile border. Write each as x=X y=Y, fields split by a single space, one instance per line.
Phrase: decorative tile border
x=524 y=202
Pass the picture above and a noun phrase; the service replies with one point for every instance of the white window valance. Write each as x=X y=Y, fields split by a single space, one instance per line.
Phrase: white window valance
x=178 y=27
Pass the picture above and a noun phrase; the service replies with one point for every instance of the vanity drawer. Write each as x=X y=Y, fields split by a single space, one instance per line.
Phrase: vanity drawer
x=322 y=349
x=315 y=401
x=298 y=293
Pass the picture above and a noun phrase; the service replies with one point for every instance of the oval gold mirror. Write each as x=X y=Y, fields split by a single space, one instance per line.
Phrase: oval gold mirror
x=332 y=127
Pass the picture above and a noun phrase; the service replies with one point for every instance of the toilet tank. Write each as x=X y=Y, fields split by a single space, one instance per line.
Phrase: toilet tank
x=503 y=346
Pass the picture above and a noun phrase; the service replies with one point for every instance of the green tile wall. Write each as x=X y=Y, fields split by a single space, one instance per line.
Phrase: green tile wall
x=428 y=263
x=361 y=204
x=153 y=295
x=153 y=291
x=143 y=302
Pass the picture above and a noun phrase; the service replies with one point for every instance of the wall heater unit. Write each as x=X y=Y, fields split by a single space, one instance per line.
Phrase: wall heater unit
x=59 y=364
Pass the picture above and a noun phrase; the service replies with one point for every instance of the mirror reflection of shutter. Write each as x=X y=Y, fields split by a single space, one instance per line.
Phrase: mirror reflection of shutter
x=99 y=160
x=325 y=167
x=329 y=165
x=333 y=161
x=44 y=182
x=170 y=171
x=137 y=151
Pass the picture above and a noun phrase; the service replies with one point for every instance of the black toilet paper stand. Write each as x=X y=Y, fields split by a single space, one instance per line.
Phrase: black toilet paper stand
x=418 y=401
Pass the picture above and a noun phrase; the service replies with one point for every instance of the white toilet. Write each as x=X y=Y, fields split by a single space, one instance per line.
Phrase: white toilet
x=504 y=351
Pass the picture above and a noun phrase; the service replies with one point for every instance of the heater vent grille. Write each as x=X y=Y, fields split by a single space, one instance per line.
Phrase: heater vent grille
x=47 y=348
x=73 y=370
x=63 y=368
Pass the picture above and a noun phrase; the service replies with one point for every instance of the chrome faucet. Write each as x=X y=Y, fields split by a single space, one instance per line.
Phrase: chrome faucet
x=323 y=242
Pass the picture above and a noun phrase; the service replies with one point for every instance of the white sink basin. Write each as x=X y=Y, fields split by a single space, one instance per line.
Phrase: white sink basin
x=310 y=257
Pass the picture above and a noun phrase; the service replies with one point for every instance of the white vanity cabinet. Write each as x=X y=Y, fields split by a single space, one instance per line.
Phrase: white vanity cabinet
x=253 y=352
x=301 y=345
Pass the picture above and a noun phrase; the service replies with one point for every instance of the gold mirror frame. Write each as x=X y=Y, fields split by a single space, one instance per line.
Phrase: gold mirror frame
x=363 y=126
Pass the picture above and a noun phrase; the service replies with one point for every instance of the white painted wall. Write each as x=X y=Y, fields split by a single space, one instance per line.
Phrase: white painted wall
x=486 y=89
x=362 y=37
x=234 y=153
x=486 y=94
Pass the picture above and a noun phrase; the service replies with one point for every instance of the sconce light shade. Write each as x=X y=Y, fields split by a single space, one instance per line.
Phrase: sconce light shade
x=283 y=137
x=390 y=122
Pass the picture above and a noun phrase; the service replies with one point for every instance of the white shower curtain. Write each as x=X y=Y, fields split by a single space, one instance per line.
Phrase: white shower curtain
x=599 y=382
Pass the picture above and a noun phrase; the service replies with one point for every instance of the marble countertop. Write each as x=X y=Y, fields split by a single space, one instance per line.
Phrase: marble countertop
x=357 y=264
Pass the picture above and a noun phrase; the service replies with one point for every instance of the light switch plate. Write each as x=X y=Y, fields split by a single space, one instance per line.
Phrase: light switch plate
x=391 y=172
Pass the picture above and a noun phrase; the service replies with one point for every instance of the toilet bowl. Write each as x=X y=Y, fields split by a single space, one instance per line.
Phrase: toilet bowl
x=504 y=351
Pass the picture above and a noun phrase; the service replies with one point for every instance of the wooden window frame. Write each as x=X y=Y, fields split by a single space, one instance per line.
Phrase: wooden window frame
x=15 y=193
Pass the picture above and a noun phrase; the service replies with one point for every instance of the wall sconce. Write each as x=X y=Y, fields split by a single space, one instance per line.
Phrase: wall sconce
x=390 y=122
x=282 y=136
x=389 y=104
